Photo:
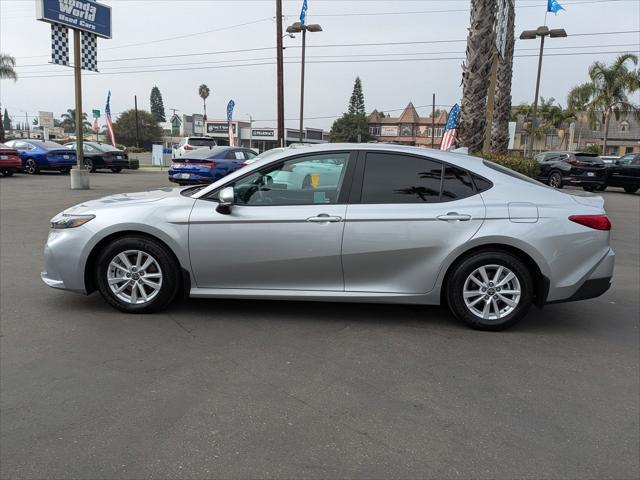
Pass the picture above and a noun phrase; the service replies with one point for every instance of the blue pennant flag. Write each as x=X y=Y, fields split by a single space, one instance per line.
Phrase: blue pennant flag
x=303 y=12
x=230 y=106
x=554 y=6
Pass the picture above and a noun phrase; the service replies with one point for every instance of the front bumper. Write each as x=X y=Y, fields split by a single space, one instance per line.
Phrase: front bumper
x=63 y=259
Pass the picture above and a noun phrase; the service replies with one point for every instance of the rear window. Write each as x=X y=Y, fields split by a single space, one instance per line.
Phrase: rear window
x=202 y=142
x=203 y=153
x=586 y=158
x=456 y=184
x=105 y=147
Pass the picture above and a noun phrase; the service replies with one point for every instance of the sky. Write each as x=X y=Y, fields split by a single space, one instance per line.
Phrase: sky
x=175 y=31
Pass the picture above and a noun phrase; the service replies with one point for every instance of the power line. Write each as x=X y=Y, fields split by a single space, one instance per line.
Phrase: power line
x=352 y=55
x=318 y=62
x=243 y=50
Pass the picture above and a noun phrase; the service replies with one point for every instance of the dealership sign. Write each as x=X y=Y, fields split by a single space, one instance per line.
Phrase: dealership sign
x=85 y=15
x=219 y=127
x=262 y=133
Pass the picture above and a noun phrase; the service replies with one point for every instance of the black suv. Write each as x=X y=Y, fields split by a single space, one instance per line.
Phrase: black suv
x=625 y=173
x=586 y=170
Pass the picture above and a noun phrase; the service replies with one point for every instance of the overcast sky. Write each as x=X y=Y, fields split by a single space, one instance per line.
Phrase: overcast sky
x=147 y=28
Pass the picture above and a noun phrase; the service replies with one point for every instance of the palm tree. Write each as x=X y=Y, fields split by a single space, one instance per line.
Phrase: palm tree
x=203 y=91
x=68 y=123
x=475 y=74
x=608 y=92
x=7 y=67
x=502 y=101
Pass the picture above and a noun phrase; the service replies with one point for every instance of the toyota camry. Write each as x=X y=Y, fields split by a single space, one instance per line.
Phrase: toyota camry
x=342 y=222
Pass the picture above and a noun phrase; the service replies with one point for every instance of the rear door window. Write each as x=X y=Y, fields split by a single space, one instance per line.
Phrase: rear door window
x=456 y=184
x=395 y=178
x=588 y=159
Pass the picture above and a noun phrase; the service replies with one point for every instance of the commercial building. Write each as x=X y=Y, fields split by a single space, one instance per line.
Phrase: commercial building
x=409 y=128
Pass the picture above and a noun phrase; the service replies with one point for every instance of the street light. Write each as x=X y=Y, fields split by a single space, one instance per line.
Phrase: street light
x=297 y=28
x=532 y=35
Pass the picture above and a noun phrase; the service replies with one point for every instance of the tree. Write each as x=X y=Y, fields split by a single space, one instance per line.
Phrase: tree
x=356 y=103
x=157 y=105
x=351 y=127
x=125 y=128
x=607 y=92
x=7 y=67
x=6 y=121
x=502 y=99
x=475 y=74
x=204 y=91
x=68 y=122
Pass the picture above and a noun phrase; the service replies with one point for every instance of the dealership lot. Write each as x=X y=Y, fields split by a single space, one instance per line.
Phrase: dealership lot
x=257 y=389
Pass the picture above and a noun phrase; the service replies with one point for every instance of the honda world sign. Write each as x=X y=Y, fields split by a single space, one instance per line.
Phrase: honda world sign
x=86 y=15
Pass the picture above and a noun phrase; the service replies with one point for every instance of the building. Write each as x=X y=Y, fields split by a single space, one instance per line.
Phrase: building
x=408 y=129
x=623 y=137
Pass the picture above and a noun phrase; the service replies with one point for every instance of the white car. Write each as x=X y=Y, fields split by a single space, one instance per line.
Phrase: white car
x=188 y=144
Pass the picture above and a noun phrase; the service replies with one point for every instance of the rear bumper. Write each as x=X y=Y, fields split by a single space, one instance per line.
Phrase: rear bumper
x=7 y=164
x=586 y=181
x=590 y=289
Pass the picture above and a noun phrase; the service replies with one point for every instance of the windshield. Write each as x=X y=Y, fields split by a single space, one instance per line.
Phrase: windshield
x=203 y=153
x=105 y=147
x=48 y=144
x=588 y=158
x=202 y=142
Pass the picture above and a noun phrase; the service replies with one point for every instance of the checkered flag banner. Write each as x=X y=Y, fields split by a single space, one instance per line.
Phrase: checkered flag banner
x=59 y=44
x=89 y=52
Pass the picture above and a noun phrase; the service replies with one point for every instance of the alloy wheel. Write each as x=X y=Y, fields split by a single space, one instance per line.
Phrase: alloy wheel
x=492 y=292
x=30 y=167
x=555 y=180
x=134 y=277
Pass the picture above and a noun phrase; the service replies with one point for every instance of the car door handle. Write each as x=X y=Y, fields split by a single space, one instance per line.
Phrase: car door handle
x=324 y=218
x=451 y=216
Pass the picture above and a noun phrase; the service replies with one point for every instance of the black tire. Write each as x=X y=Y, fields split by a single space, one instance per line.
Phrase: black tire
x=170 y=272
x=589 y=188
x=459 y=275
x=555 y=180
x=88 y=163
x=601 y=188
x=7 y=173
x=116 y=169
x=631 y=189
x=31 y=167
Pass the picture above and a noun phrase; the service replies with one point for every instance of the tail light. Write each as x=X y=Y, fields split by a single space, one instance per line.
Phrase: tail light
x=188 y=147
x=573 y=162
x=597 y=222
x=211 y=164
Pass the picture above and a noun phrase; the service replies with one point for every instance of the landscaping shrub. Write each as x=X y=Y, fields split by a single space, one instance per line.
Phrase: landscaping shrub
x=525 y=166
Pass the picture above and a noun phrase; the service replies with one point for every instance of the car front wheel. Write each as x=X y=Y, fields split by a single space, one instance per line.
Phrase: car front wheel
x=88 y=163
x=116 y=169
x=490 y=290
x=631 y=189
x=137 y=275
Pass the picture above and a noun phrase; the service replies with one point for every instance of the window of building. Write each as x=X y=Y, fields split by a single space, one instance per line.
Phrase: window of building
x=624 y=126
x=374 y=130
x=406 y=131
x=429 y=132
x=392 y=178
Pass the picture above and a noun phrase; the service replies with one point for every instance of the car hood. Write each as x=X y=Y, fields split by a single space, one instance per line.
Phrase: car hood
x=123 y=200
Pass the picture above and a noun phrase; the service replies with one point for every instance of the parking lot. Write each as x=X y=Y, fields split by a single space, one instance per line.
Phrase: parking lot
x=257 y=389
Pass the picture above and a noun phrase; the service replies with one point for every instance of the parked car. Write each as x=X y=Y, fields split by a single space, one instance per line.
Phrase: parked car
x=586 y=170
x=609 y=159
x=188 y=144
x=102 y=156
x=401 y=225
x=39 y=155
x=207 y=165
x=625 y=173
x=9 y=160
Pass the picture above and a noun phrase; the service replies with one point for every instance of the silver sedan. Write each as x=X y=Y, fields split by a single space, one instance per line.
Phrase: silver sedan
x=342 y=222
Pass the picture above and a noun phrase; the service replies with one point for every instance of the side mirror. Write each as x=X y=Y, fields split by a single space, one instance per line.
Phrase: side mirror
x=226 y=197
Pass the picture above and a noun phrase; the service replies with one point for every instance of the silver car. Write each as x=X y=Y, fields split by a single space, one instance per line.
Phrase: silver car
x=389 y=224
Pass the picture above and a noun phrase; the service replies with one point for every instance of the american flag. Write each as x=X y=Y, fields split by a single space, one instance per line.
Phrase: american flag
x=451 y=129
x=107 y=114
x=230 y=106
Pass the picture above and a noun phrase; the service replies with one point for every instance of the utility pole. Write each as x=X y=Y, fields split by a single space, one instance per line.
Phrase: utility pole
x=250 y=131
x=79 y=175
x=280 y=73
x=135 y=103
x=433 y=122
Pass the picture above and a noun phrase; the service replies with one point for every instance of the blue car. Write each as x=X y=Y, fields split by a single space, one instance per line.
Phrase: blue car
x=39 y=155
x=208 y=164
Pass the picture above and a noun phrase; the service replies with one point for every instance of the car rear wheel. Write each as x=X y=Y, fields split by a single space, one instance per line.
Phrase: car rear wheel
x=589 y=188
x=631 y=189
x=31 y=167
x=7 y=173
x=88 y=163
x=490 y=290
x=601 y=188
x=555 y=180
x=137 y=275
x=116 y=169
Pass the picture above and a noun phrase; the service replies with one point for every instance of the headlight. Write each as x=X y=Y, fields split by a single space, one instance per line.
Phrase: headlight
x=70 y=221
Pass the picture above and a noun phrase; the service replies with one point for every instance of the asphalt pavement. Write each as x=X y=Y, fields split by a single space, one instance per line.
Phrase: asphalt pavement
x=258 y=389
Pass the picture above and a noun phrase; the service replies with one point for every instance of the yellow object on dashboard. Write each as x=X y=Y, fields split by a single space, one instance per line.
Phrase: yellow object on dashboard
x=315 y=180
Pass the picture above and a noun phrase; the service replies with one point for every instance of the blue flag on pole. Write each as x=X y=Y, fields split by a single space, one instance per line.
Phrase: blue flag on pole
x=303 y=12
x=554 y=6
x=230 y=106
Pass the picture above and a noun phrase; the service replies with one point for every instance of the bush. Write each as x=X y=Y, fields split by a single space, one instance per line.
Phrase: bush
x=525 y=166
x=134 y=164
x=136 y=150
